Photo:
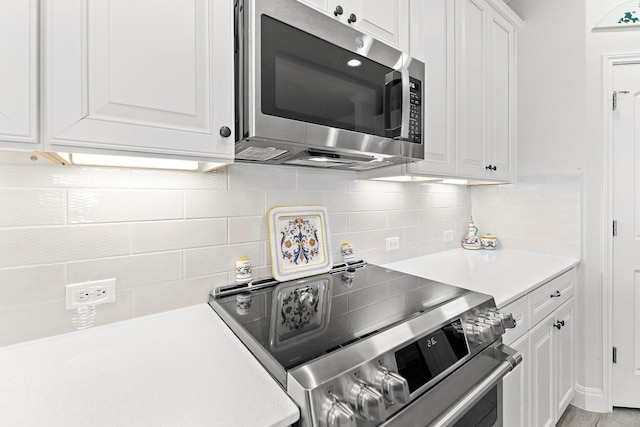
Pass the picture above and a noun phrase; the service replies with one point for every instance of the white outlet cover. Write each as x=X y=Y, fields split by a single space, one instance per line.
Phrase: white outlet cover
x=100 y=292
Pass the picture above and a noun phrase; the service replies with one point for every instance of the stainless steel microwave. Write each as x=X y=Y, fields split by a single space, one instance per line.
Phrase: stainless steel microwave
x=312 y=91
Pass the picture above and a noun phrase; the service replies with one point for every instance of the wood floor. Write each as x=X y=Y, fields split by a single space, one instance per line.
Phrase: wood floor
x=620 y=417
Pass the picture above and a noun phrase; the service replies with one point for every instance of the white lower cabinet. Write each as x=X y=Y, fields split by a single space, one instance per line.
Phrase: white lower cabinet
x=515 y=387
x=537 y=392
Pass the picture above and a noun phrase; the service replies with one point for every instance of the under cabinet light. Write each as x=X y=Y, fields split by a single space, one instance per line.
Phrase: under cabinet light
x=406 y=178
x=454 y=181
x=82 y=159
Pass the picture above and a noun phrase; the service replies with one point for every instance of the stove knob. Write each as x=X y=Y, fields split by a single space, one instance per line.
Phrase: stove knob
x=481 y=332
x=509 y=320
x=494 y=320
x=338 y=413
x=394 y=388
x=368 y=402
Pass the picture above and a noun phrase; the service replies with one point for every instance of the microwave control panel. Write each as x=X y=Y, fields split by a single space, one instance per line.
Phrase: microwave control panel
x=415 y=112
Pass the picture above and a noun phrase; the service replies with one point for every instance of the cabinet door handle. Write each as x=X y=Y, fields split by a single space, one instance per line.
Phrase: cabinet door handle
x=352 y=18
x=556 y=294
x=491 y=167
x=559 y=324
x=338 y=11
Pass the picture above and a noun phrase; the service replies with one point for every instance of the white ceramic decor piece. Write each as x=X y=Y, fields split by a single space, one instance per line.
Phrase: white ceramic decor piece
x=626 y=14
x=299 y=241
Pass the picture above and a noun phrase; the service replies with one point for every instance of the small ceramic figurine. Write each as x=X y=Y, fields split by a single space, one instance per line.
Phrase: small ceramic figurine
x=471 y=240
x=347 y=252
x=243 y=270
x=489 y=241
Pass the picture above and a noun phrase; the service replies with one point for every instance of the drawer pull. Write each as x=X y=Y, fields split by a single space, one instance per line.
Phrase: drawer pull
x=556 y=294
x=559 y=324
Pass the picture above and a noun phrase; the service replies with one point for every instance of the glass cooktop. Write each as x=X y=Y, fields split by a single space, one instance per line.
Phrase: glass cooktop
x=300 y=320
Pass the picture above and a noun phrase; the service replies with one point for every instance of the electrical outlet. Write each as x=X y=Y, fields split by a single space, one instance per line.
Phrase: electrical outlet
x=90 y=293
x=393 y=243
x=448 y=235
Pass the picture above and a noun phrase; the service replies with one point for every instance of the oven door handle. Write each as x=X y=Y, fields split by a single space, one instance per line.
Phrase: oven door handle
x=472 y=397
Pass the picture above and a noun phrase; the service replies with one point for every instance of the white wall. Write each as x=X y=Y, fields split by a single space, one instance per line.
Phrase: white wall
x=169 y=238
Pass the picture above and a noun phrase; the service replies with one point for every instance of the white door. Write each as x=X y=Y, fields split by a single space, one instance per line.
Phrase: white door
x=626 y=245
x=140 y=75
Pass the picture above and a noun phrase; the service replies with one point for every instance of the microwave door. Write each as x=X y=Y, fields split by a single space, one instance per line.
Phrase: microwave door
x=397 y=104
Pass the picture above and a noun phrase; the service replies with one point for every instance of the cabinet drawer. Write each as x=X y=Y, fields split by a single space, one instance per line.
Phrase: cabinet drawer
x=548 y=297
x=520 y=311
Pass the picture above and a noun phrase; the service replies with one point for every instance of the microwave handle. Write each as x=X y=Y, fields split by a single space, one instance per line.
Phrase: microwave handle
x=393 y=78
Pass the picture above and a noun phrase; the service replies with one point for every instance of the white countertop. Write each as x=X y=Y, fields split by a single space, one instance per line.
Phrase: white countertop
x=506 y=275
x=178 y=368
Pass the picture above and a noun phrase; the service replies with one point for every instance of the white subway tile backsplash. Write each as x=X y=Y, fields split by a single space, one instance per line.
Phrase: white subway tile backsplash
x=222 y=204
x=317 y=180
x=339 y=222
x=385 y=201
x=130 y=271
x=151 y=178
x=13 y=176
x=243 y=177
x=347 y=202
x=32 y=207
x=248 y=229
x=221 y=259
x=289 y=198
x=172 y=295
x=95 y=206
x=361 y=221
x=39 y=320
x=28 y=285
x=170 y=237
x=47 y=245
x=158 y=236
x=539 y=214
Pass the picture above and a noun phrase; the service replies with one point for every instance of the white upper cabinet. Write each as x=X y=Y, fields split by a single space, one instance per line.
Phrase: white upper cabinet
x=431 y=41
x=135 y=76
x=19 y=74
x=485 y=89
x=386 y=20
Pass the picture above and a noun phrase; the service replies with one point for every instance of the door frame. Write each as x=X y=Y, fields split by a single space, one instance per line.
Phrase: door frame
x=608 y=62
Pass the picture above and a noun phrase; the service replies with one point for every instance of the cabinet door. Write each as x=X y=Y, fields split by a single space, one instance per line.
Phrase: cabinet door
x=471 y=72
x=133 y=76
x=500 y=97
x=19 y=74
x=565 y=356
x=431 y=41
x=542 y=374
x=386 y=20
x=515 y=388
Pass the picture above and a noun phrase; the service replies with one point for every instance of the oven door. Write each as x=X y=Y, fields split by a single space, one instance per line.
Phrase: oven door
x=471 y=396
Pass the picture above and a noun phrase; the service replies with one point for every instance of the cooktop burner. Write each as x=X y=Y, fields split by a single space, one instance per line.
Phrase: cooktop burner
x=301 y=320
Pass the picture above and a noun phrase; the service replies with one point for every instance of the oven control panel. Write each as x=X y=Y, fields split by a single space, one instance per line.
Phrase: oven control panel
x=372 y=392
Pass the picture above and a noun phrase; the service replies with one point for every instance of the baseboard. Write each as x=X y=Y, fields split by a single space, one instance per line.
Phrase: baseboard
x=590 y=399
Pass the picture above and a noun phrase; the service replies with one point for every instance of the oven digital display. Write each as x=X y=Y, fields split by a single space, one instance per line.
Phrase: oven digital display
x=424 y=359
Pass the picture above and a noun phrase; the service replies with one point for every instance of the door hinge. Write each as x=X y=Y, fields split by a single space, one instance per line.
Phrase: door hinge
x=615 y=97
x=615 y=355
x=615 y=227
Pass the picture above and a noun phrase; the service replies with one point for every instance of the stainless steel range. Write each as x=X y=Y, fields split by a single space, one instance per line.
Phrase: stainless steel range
x=364 y=345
